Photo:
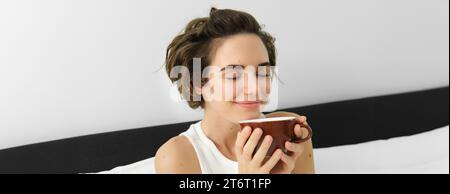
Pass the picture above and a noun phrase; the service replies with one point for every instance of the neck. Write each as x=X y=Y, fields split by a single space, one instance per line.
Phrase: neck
x=221 y=131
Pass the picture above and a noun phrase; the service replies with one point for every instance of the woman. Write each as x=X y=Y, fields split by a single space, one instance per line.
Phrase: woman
x=225 y=40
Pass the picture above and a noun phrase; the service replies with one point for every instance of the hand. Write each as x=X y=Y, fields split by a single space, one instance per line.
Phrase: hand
x=288 y=161
x=245 y=145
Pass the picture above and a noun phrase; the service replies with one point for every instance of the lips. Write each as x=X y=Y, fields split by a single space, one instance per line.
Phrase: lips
x=247 y=104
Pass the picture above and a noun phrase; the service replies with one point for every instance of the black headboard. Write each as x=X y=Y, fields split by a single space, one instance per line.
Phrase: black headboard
x=336 y=123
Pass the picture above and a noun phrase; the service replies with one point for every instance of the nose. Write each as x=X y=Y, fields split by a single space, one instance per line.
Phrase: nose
x=250 y=86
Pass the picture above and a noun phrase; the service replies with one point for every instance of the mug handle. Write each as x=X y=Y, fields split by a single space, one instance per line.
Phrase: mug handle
x=301 y=140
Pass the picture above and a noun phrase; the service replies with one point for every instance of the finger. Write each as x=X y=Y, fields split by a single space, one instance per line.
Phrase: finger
x=242 y=138
x=298 y=131
x=289 y=160
x=304 y=132
x=273 y=160
x=301 y=119
x=250 y=145
x=262 y=151
x=297 y=148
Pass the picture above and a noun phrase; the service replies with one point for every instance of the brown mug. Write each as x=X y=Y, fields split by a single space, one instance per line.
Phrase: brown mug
x=280 y=128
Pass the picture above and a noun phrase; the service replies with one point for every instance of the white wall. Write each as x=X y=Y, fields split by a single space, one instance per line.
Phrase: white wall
x=70 y=68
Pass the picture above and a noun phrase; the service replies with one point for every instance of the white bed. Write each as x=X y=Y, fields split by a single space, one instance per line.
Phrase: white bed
x=421 y=153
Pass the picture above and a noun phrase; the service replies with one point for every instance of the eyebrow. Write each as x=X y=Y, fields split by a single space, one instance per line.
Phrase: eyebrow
x=238 y=65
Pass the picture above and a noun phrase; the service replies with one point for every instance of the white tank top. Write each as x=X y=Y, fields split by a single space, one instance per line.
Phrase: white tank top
x=211 y=160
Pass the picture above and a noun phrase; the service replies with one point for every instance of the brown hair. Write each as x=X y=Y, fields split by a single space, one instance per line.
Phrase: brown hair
x=197 y=41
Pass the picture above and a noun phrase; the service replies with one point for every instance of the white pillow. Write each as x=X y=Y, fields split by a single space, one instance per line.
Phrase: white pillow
x=146 y=166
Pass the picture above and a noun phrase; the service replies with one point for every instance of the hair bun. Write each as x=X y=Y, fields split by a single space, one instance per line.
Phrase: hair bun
x=213 y=9
x=196 y=25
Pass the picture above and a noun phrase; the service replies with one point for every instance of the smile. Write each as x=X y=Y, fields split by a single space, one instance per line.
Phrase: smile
x=247 y=104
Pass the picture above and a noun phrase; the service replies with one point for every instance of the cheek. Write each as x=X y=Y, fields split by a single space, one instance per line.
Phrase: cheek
x=268 y=82
x=264 y=88
x=220 y=91
x=228 y=90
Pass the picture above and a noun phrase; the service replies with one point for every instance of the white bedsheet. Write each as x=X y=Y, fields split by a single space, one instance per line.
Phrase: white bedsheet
x=421 y=153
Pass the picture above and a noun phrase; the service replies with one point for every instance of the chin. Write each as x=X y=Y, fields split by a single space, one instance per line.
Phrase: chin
x=249 y=115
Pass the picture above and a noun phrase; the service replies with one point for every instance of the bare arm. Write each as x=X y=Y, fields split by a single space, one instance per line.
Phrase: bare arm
x=177 y=156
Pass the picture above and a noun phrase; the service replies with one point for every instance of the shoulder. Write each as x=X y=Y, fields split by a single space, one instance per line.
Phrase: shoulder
x=177 y=155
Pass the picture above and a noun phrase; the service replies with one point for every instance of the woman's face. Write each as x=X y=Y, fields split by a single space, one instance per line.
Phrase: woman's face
x=239 y=78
